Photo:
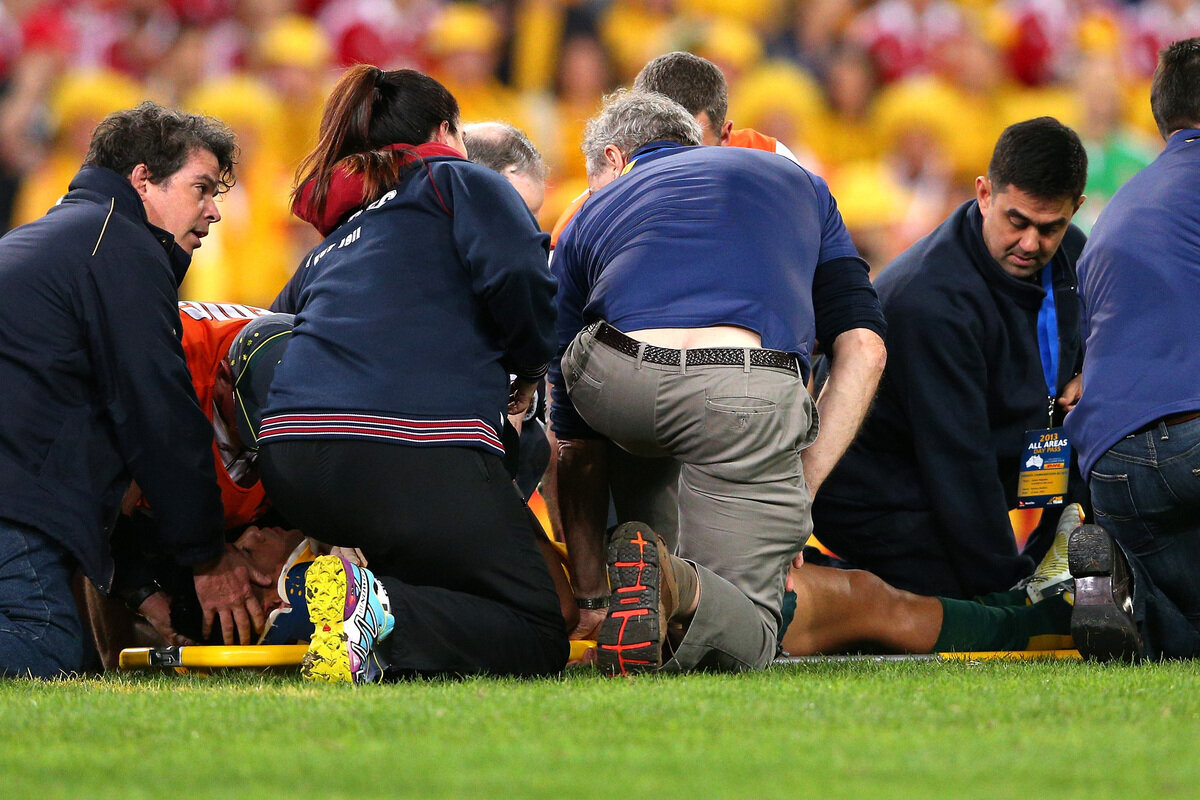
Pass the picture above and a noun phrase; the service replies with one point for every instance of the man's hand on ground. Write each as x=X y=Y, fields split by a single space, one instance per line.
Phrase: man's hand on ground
x=590 y=620
x=157 y=610
x=224 y=590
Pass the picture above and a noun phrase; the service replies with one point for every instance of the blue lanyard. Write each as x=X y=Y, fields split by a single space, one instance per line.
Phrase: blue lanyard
x=1047 y=328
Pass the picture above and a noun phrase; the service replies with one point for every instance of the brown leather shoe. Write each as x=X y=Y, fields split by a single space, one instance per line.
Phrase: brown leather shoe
x=644 y=596
x=1102 y=623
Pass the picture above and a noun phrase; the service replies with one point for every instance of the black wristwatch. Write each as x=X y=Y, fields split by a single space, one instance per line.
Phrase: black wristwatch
x=134 y=600
x=592 y=602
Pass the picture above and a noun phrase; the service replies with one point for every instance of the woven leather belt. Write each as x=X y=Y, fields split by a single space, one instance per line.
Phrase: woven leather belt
x=698 y=357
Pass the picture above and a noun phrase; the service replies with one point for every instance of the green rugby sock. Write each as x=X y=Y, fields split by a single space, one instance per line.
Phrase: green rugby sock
x=968 y=625
x=1013 y=597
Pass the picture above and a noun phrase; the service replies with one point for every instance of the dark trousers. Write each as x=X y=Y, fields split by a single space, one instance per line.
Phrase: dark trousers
x=40 y=632
x=1146 y=493
x=446 y=532
x=911 y=550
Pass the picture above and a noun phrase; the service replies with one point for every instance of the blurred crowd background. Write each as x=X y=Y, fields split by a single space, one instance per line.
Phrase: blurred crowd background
x=897 y=103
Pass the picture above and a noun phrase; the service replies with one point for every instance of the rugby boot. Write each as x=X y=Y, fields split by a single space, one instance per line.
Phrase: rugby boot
x=644 y=596
x=1053 y=575
x=1102 y=623
x=350 y=613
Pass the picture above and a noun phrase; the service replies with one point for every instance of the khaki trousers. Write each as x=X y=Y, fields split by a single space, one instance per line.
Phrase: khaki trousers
x=743 y=505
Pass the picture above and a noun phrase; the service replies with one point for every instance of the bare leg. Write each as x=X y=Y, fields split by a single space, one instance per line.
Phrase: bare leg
x=839 y=610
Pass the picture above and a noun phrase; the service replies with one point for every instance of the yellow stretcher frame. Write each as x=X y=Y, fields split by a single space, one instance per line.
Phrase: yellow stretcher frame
x=989 y=655
x=244 y=656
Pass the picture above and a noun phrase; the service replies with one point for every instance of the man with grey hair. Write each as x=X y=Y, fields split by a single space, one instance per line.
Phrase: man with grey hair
x=504 y=149
x=693 y=287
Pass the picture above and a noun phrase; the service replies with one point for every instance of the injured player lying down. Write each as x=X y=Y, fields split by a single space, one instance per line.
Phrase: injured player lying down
x=827 y=610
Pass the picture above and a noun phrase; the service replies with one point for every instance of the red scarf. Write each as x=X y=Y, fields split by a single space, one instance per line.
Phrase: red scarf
x=345 y=193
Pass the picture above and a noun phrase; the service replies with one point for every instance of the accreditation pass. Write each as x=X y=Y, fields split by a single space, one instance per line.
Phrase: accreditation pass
x=1045 y=464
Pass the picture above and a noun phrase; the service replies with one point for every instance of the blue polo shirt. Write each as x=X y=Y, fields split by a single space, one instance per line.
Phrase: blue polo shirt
x=1139 y=278
x=693 y=237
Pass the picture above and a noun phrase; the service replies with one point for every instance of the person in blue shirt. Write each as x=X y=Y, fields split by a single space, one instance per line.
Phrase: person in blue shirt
x=1137 y=425
x=694 y=286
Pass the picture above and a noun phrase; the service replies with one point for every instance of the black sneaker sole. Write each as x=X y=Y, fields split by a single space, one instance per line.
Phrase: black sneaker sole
x=629 y=640
x=1100 y=626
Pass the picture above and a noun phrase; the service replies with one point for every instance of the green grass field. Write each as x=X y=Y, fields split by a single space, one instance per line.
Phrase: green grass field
x=854 y=730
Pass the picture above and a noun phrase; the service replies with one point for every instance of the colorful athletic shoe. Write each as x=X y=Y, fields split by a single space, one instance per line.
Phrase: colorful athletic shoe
x=1102 y=623
x=644 y=595
x=1053 y=575
x=350 y=612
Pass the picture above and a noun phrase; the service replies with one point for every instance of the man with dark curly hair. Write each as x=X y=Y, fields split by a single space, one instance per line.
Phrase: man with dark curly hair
x=96 y=388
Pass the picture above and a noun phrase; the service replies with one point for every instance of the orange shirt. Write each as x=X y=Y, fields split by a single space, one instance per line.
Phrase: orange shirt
x=753 y=140
x=208 y=331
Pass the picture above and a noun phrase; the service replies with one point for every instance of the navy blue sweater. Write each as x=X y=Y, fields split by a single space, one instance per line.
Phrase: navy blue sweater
x=692 y=237
x=413 y=312
x=96 y=389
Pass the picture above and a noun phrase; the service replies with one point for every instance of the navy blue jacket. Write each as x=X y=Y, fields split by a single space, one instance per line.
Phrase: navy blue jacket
x=1139 y=277
x=413 y=312
x=96 y=389
x=935 y=465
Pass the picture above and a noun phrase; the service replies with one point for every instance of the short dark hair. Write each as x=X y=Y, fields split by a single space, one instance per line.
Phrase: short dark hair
x=695 y=83
x=368 y=109
x=163 y=139
x=500 y=146
x=1175 y=92
x=1042 y=157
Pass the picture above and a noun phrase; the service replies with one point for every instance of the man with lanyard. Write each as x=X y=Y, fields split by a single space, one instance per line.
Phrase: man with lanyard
x=1138 y=423
x=692 y=289
x=983 y=326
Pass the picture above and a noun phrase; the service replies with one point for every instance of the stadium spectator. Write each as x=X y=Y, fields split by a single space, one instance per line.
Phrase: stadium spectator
x=80 y=100
x=90 y=285
x=904 y=37
x=1116 y=151
x=433 y=275
x=1138 y=422
x=466 y=44
x=700 y=326
x=923 y=494
x=252 y=254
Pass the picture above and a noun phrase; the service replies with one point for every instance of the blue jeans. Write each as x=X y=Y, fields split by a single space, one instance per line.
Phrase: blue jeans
x=40 y=632
x=1146 y=493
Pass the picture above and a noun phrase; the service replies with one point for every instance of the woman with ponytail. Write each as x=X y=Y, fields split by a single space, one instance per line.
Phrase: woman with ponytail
x=381 y=430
